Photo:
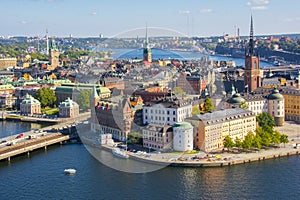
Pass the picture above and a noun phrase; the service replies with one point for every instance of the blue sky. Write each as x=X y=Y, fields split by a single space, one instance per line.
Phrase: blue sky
x=193 y=17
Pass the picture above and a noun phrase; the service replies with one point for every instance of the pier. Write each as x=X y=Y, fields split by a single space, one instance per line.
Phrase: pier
x=30 y=145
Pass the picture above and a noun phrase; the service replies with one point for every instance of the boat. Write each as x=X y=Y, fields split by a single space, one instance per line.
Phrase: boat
x=70 y=171
x=119 y=153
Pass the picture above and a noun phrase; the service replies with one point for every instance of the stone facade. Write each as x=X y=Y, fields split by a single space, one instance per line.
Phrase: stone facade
x=30 y=106
x=68 y=109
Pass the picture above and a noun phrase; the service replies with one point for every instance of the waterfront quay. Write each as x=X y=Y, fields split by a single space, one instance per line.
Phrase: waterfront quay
x=210 y=160
x=217 y=158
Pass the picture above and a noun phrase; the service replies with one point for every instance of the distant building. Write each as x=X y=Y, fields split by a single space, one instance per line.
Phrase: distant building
x=166 y=111
x=7 y=88
x=183 y=137
x=72 y=91
x=112 y=82
x=157 y=137
x=7 y=62
x=210 y=129
x=68 y=109
x=191 y=84
x=30 y=105
x=7 y=100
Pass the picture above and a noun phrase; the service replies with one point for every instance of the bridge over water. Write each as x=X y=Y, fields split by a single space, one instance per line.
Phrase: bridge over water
x=30 y=145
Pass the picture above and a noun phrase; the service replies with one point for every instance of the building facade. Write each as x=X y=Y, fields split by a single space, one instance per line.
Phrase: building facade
x=113 y=118
x=157 y=137
x=68 y=109
x=30 y=105
x=166 y=111
x=7 y=62
x=183 y=136
x=210 y=129
x=291 y=104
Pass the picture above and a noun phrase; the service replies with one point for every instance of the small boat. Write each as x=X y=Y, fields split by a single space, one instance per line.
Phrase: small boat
x=70 y=171
x=119 y=153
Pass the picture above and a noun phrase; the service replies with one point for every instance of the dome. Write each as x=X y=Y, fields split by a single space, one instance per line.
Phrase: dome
x=183 y=125
x=236 y=99
x=275 y=95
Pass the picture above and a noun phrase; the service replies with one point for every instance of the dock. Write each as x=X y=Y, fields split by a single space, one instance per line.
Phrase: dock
x=30 y=145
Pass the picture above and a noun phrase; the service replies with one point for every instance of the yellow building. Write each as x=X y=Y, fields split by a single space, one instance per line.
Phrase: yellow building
x=210 y=129
x=7 y=62
x=291 y=104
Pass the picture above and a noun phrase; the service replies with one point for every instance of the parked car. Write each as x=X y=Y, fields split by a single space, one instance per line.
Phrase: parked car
x=20 y=135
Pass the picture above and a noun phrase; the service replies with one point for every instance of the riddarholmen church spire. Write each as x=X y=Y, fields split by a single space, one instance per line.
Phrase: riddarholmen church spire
x=251 y=41
x=253 y=76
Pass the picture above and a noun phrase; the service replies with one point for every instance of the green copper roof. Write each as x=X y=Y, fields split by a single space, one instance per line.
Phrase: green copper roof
x=236 y=99
x=182 y=125
x=275 y=95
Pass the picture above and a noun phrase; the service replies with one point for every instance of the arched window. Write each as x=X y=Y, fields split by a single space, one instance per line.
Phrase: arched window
x=255 y=64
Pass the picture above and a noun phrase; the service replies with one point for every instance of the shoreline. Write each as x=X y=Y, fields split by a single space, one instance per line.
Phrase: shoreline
x=292 y=129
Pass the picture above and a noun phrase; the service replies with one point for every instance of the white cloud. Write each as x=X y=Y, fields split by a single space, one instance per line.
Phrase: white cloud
x=206 y=10
x=296 y=19
x=93 y=13
x=184 y=12
x=259 y=7
x=260 y=2
x=23 y=22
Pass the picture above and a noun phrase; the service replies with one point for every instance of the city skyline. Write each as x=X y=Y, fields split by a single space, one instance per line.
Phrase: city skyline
x=191 y=18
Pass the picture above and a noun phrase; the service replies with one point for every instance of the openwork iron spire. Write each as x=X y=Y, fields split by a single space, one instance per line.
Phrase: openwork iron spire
x=251 y=41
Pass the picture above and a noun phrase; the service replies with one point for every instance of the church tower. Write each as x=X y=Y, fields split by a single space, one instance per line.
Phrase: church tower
x=147 y=57
x=252 y=69
x=53 y=55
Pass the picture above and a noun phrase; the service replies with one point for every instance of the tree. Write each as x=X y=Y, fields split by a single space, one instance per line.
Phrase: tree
x=244 y=105
x=227 y=142
x=265 y=120
x=238 y=142
x=256 y=141
x=196 y=110
x=135 y=137
x=284 y=139
x=46 y=96
x=275 y=137
x=208 y=105
x=247 y=143
x=83 y=98
x=264 y=135
x=178 y=90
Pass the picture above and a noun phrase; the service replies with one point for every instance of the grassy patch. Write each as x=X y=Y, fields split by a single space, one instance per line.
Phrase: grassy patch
x=50 y=111
x=192 y=152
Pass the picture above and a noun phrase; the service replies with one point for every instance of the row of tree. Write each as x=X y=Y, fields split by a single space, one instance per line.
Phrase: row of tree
x=264 y=137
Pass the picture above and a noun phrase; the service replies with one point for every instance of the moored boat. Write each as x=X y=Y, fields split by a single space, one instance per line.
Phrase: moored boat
x=119 y=153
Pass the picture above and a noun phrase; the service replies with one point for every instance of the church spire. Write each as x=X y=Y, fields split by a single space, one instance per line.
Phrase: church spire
x=251 y=41
x=147 y=50
x=147 y=41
